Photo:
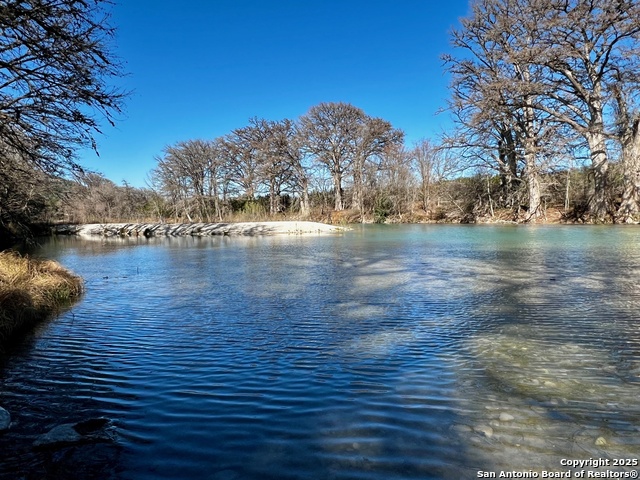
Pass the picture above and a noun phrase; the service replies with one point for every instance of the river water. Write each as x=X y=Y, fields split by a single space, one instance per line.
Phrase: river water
x=388 y=352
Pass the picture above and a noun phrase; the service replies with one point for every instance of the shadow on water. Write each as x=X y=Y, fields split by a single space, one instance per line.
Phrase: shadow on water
x=548 y=342
x=409 y=352
x=557 y=345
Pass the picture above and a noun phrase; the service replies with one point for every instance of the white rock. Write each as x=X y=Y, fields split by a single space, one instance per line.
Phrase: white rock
x=601 y=441
x=200 y=229
x=485 y=430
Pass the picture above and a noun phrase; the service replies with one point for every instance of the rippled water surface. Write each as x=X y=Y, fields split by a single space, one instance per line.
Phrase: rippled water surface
x=412 y=352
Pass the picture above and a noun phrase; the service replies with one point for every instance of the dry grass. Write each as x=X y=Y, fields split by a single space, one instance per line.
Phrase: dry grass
x=31 y=290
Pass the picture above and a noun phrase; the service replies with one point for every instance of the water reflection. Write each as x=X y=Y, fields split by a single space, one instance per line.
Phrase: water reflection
x=390 y=352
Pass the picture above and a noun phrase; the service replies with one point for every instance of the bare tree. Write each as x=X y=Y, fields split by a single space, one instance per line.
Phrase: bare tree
x=191 y=173
x=271 y=142
x=432 y=164
x=55 y=69
x=170 y=177
x=493 y=91
x=583 y=45
x=22 y=192
x=241 y=152
x=55 y=63
x=288 y=170
x=342 y=138
x=329 y=131
x=375 y=137
x=559 y=58
x=393 y=183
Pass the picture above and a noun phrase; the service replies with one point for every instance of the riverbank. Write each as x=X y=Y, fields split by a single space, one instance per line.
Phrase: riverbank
x=30 y=291
x=198 y=229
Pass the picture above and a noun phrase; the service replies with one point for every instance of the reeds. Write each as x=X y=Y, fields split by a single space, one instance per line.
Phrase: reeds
x=30 y=291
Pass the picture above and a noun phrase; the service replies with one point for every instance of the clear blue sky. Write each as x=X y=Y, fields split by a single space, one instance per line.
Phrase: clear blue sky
x=200 y=68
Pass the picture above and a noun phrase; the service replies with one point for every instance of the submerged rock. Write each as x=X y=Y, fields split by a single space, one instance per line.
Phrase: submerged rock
x=506 y=417
x=484 y=430
x=88 y=431
x=5 y=420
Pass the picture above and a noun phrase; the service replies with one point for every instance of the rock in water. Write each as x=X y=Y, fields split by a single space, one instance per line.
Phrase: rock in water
x=92 y=425
x=88 y=431
x=484 y=430
x=5 y=420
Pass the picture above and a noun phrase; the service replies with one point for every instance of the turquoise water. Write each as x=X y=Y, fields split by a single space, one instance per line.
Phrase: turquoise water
x=417 y=352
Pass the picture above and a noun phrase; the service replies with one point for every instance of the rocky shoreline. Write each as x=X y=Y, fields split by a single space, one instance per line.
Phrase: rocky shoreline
x=197 y=229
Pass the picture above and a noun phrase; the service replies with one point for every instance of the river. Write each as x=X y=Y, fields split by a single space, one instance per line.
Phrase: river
x=404 y=352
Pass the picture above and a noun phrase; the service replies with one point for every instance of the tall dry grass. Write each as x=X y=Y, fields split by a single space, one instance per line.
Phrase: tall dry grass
x=31 y=290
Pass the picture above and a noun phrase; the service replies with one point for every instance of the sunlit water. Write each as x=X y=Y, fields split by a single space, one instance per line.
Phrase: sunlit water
x=388 y=352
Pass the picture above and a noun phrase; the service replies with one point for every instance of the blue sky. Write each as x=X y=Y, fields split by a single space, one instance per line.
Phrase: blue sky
x=199 y=69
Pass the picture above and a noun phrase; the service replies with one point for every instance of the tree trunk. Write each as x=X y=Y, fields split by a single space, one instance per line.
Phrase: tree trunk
x=304 y=201
x=216 y=200
x=600 y=166
x=629 y=210
x=533 y=184
x=337 y=184
x=358 y=175
x=530 y=160
x=425 y=195
x=273 y=198
x=508 y=168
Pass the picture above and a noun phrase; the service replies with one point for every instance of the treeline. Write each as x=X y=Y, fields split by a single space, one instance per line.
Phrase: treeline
x=335 y=164
x=267 y=171
x=335 y=150
x=30 y=198
x=544 y=94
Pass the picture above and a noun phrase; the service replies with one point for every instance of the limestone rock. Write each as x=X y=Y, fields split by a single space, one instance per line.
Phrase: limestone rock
x=5 y=420
x=601 y=442
x=88 y=431
x=506 y=417
x=199 y=229
x=485 y=430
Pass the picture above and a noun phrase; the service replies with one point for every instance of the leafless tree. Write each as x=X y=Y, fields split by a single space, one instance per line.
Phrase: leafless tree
x=433 y=165
x=342 y=138
x=278 y=158
x=584 y=45
x=587 y=43
x=560 y=57
x=329 y=131
x=23 y=191
x=55 y=65
x=374 y=138
x=55 y=72
x=285 y=143
x=242 y=158
x=192 y=175
x=493 y=90
x=392 y=184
